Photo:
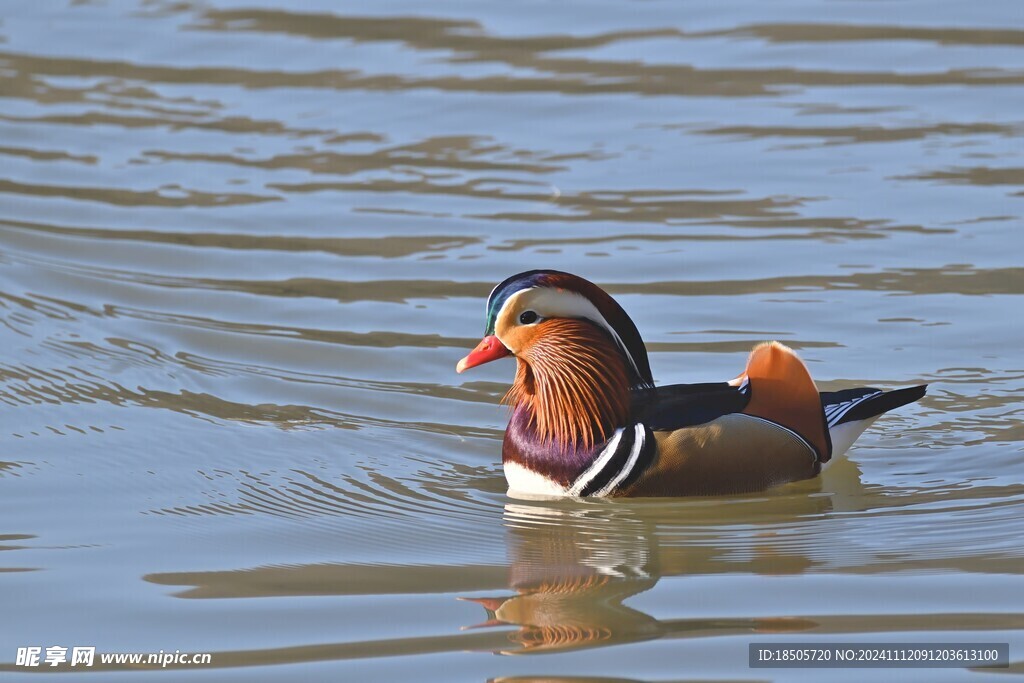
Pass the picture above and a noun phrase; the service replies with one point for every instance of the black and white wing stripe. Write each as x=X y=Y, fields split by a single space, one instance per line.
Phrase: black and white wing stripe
x=629 y=452
x=835 y=412
x=851 y=405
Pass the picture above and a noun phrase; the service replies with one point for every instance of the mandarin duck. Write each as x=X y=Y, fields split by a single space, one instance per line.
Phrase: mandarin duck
x=587 y=419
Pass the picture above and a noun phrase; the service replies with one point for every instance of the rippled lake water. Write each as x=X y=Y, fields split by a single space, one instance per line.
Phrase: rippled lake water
x=243 y=245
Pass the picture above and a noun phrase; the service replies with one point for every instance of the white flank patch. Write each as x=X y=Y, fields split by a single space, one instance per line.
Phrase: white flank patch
x=525 y=483
x=845 y=434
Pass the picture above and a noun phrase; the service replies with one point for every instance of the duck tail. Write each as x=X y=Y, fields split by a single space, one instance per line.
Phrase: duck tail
x=848 y=413
x=781 y=390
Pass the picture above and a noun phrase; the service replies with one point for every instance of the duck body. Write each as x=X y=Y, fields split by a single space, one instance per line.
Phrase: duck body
x=587 y=419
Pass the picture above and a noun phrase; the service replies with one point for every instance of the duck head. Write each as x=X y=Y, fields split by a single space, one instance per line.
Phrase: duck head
x=578 y=354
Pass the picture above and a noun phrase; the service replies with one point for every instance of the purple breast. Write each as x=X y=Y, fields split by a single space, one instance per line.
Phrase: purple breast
x=560 y=462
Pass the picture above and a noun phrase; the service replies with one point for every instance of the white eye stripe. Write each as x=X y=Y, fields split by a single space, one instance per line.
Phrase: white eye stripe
x=553 y=303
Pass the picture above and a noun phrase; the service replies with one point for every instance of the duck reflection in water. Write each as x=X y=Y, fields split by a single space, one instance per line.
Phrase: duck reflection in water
x=574 y=563
x=570 y=580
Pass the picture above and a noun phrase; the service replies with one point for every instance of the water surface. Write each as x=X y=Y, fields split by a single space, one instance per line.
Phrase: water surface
x=243 y=245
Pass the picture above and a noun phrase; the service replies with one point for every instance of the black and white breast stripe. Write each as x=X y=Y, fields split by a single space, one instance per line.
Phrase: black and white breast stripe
x=835 y=412
x=629 y=452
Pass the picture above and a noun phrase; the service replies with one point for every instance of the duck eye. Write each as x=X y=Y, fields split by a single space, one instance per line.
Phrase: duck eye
x=527 y=318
